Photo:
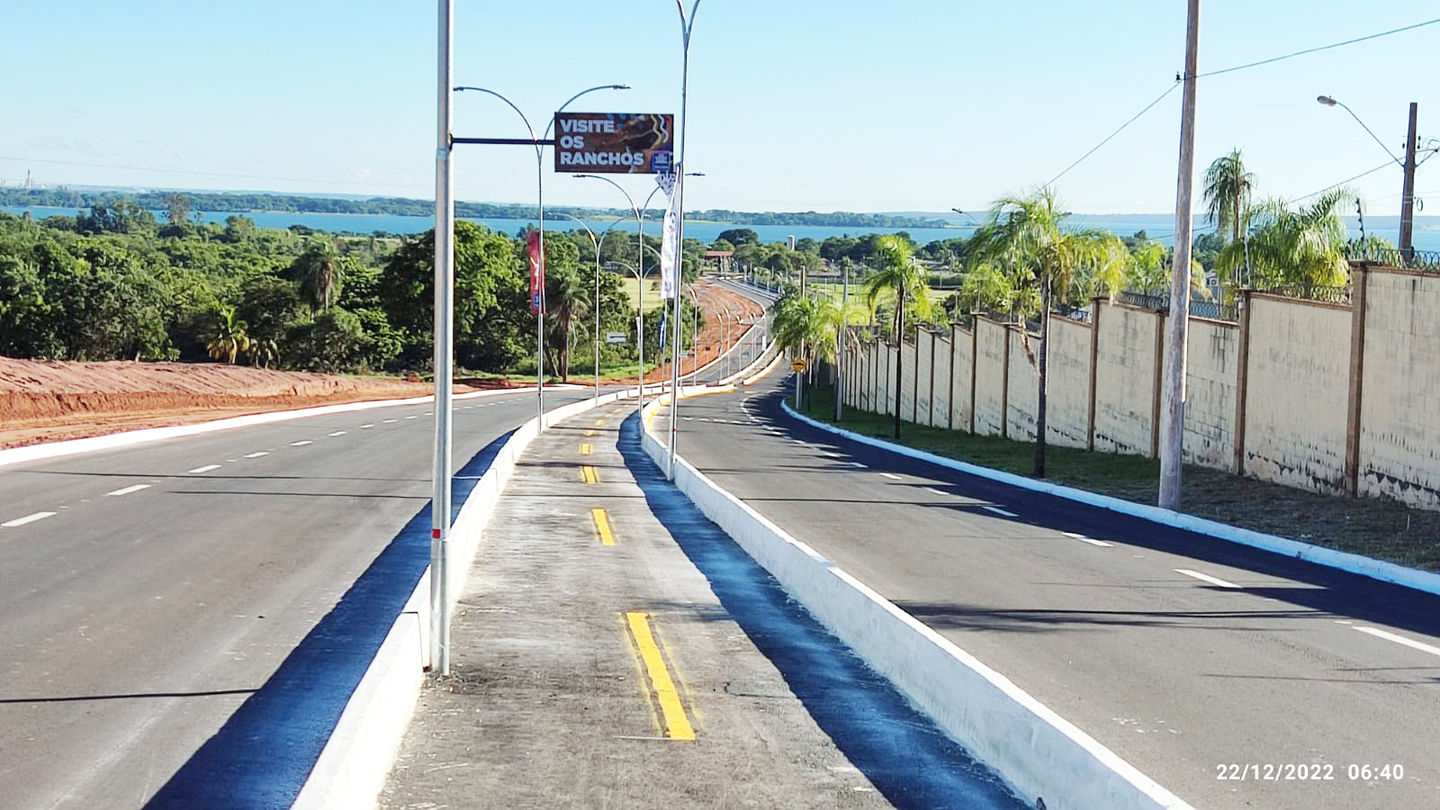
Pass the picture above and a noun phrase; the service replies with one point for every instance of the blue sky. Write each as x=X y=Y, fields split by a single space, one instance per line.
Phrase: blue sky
x=860 y=106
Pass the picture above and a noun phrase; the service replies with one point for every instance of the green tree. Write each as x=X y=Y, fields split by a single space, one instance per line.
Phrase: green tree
x=1026 y=237
x=320 y=272
x=897 y=275
x=1303 y=247
x=1228 y=191
x=270 y=305
x=228 y=338
x=177 y=209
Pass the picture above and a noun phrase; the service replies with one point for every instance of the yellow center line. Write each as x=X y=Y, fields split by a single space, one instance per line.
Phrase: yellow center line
x=600 y=421
x=602 y=525
x=584 y=449
x=588 y=475
x=590 y=432
x=677 y=724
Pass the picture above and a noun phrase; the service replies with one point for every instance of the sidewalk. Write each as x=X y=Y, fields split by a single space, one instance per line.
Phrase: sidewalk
x=594 y=666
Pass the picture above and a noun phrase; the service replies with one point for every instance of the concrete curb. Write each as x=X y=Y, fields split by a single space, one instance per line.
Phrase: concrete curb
x=1037 y=752
x=1353 y=563
x=357 y=759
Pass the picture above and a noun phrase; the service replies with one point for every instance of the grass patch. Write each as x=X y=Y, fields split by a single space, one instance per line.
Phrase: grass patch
x=1385 y=530
x=652 y=291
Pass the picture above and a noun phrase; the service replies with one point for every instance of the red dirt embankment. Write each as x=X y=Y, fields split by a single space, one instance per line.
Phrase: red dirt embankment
x=49 y=401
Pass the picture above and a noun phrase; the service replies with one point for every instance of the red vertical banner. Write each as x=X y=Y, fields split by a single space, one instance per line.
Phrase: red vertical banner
x=537 y=273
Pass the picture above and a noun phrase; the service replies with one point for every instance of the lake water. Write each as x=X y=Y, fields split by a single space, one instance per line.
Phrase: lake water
x=1427 y=236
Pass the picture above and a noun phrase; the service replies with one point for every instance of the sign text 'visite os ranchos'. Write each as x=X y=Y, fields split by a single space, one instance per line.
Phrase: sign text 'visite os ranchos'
x=633 y=143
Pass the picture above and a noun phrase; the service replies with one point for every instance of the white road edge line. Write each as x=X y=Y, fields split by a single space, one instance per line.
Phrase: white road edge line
x=205 y=469
x=127 y=490
x=997 y=510
x=1388 y=636
x=10 y=524
x=892 y=476
x=1207 y=578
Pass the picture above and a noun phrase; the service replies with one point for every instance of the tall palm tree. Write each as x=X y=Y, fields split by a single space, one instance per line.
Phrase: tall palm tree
x=1304 y=247
x=1228 y=191
x=896 y=274
x=569 y=298
x=1026 y=235
x=320 y=270
x=228 y=337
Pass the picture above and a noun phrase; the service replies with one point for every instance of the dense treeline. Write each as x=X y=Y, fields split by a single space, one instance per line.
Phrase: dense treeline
x=115 y=283
x=397 y=206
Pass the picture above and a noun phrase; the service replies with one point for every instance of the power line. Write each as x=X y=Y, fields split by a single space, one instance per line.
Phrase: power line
x=1341 y=183
x=1317 y=50
x=1113 y=134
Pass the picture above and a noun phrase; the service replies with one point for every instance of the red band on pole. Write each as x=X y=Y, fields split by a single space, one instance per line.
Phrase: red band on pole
x=434 y=534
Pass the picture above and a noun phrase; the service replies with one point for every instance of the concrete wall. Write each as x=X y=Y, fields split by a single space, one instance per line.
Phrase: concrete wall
x=907 y=382
x=1023 y=404
x=943 y=383
x=1400 y=401
x=924 y=351
x=990 y=340
x=1067 y=410
x=962 y=382
x=1299 y=372
x=1125 y=379
x=1212 y=367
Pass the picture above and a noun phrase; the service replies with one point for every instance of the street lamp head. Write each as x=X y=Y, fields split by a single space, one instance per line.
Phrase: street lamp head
x=1327 y=101
x=619 y=87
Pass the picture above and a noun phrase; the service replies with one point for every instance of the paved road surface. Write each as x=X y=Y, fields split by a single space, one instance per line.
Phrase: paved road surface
x=1194 y=659
x=173 y=578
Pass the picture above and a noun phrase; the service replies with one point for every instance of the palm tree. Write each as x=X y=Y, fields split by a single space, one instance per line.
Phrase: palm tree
x=896 y=274
x=1304 y=247
x=320 y=270
x=1228 y=189
x=228 y=336
x=568 y=296
x=807 y=328
x=1026 y=236
x=264 y=353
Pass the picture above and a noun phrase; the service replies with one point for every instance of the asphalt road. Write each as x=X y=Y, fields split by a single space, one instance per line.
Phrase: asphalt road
x=146 y=592
x=1222 y=672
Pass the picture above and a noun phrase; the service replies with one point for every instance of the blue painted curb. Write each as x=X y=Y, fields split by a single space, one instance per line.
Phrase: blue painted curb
x=1413 y=578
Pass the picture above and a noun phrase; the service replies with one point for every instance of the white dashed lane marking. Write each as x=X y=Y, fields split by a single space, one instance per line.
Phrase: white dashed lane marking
x=10 y=524
x=337 y=433
x=205 y=469
x=934 y=491
x=1206 y=578
x=1411 y=643
x=301 y=443
x=892 y=476
x=388 y=421
x=257 y=454
x=127 y=490
x=1001 y=512
x=1082 y=538
x=366 y=427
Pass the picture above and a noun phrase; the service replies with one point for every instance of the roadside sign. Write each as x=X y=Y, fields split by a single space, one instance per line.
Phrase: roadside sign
x=626 y=143
x=615 y=337
x=798 y=365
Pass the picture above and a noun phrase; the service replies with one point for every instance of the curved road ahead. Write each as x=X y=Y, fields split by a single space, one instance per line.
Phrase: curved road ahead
x=1203 y=663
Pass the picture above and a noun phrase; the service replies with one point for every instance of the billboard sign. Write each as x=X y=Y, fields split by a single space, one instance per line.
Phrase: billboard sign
x=625 y=143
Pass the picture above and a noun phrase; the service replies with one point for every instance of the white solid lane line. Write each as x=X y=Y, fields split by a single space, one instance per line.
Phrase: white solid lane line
x=997 y=510
x=1082 y=538
x=127 y=490
x=1388 y=636
x=301 y=443
x=257 y=454
x=337 y=433
x=1206 y=577
x=892 y=476
x=205 y=469
x=10 y=524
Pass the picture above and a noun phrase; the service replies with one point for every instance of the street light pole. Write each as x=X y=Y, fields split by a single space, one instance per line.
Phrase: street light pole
x=687 y=24
x=1407 y=188
x=539 y=143
x=595 y=242
x=444 y=320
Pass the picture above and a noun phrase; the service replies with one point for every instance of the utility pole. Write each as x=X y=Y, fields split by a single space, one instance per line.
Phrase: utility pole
x=1407 y=194
x=444 y=352
x=1172 y=415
